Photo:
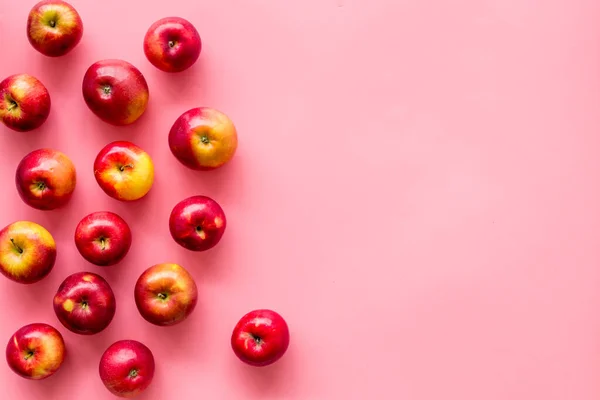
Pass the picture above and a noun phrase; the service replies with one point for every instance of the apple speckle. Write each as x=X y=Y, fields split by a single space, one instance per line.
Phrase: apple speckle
x=68 y=305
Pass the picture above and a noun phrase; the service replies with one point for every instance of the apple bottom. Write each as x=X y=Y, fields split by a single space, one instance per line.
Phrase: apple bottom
x=260 y=338
x=127 y=368
x=35 y=351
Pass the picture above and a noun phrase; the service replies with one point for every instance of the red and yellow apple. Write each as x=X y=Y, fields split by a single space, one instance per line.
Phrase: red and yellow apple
x=54 y=27
x=115 y=91
x=35 y=351
x=46 y=179
x=203 y=138
x=172 y=44
x=85 y=303
x=24 y=102
x=103 y=238
x=124 y=171
x=127 y=368
x=197 y=223
x=27 y=252
x=260 y=337
x=165 y=294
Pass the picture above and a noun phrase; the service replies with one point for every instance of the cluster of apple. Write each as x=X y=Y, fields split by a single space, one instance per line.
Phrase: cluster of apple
x=165 y=294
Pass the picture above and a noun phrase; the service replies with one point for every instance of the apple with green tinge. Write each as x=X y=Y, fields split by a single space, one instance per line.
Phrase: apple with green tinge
x=165 y=294
x=260 y=338
x=27 y=252
x=35 y=351
x=46 y=179
x=24 y=102
x=203 y=139
x=197 y=223
x=172 y=44
x=127 y=368
x=54 y=27
x=103 y=238
x=124 y=171
x=115 y=91
x=85 y=303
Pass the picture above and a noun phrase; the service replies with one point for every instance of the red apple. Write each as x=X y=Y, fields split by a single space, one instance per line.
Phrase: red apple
x=24 y=102
x=260 y=338
x=124 y=171
x=165 y=294
x=36 y=351
x=103 y=238
x=127 y=368
x=172 y=44
x=46 y=179
x=84 y=303
x=203 y=139
x=54 y=27
x=115 y=91
x=27 y=252
x=197 y=223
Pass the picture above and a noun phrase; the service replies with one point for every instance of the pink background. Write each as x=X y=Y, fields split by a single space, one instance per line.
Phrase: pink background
x=416 y=191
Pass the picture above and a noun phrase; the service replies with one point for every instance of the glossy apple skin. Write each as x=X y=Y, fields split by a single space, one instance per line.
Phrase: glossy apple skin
x=35 y=351
x=54 y=27
x=46 y=179
x=24 y=102
x=165 y=294
x=172 y=44
x=27 y=252
x=115 y=91
x=197 y=223
x=124 y=171
x=127 y=368
x=85 y=303
x=103 y=238
x=203 y=139
x=260 y=338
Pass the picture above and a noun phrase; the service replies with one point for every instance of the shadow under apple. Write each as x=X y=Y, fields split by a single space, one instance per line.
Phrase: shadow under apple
x=273 y=379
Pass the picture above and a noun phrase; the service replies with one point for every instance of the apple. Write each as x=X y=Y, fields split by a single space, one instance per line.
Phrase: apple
x=103 y=238
x=46 y=179
x=127 y=368
x=203 y=138
x=260 y=338
x=115 y=91
x=24 y=102
x=54 y=27
x=27 y=252
x=165 y=294
x=124 y=171
x=35 y=351
x=84 y=303
x=197 y=223
x=172 y=44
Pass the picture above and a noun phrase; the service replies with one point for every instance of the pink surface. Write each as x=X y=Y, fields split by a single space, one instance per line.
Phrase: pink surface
x=416 y=191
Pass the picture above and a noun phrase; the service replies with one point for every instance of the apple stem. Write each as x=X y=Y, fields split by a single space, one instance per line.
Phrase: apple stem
x=133 y=373
x=257 y=339
x=106 y=89
x=122 y=168
x=20 y=250
x=28 y=355
x=204 y=139
x=171 y=43
x=103 y=243
x=53 y=23
x=13 y=105
x=162 y=296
